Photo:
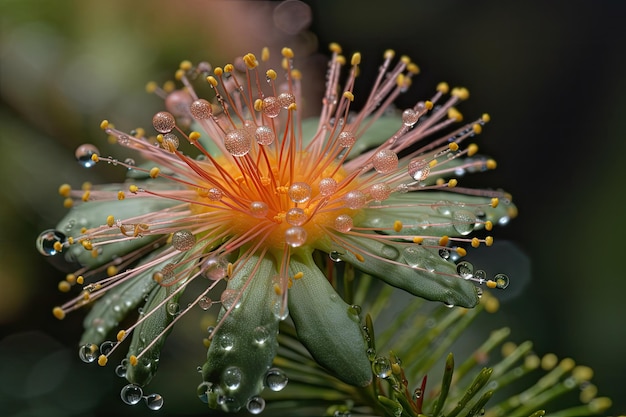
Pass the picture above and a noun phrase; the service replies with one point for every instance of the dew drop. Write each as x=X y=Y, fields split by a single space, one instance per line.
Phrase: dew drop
x=380 y=191
x=205 y=303
x=177 y=102
x=131 y=394
x=120 y=370
x=106 y=347
x=335 y=256
x=286 y=99
x=442 y=207
x=260 y=335
x=271 y=106
x=417 y=393
x=355 y=199
x=465 y=269
x=173 y=309
x=264 y=135
x=214 y=268
x=371 y=353
x=419 y=169
x=226 y=341
x=163 y=122
x=327 y=186
x=346 y=139
x=258 y=209
x=299 y=192
x=295 y=216
x=295 y=236
x=88 y=352
x=84 y=154
x=385 y=161
x=382 y=367
x=228 y=299
x=389 y=252
x=275 y=379
x=410 y=117
x=354 y=309
x=237 y=142
x=231 y=377
x=170 y=142
x=444 y=253
x=183 y=240
x=215 y=194
x=502 y=281
x=255 y=405
x=280 y=310
x=463 y=221
x=200 y=109
x=480 y=275
x=154 y=401
x=130 y=162
x=47 y=239
x=343 y=223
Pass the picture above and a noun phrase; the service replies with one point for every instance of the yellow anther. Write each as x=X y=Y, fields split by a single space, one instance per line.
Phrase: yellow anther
x=356 y=59
x=194 y=136
x=418 y=239
x=397 y=226
x=139 y=132
x=157 y=277
x=64 y=286
x=492 y=304
x=112 y=139
x=488 y=225
x=453 y=146
x=475 y=242
x=443 y=240
x=104 y=124
x=428 y=105
x=277 y=290
x=472 y=149
x=86 y=186
x=401 y=80
x=258 y=104
x=58 y=313
x=265 y=54
x=271 y=74
x=454 y=114
x=110 y=220
x=159 y=138
x=348 y=95
x=86 y=196
x=87 y=245
x=121 y=335
x=285 y=64
x=335 y=47
x=461 y=251
x=169 y=86
x=582 y=373
x=298 y=275
x=432 y=163
x=185 y=65
x=389 y=54
x=486 y=118
x=151 y=87
x=491 y=284
x=229 y=68
x=491 y=164
x=83 y=230
x=461 y=93
x=133 y=360
x=111 y=270
x=206 y=342
x=71 y=278
x=179 y=74
x=405 y=59
x=359 y=257
x=102 y=360
x=396 y=369
x=94 y=157
x=452 y=183
x=86 y=296
x=477 y=128
x=218 y=71
x=80 y=280
x=249 y=60
x=296 y=74
x=58 y=246
x=289 y=283
x=413 y=68
x=70 y=240
x=230 y=268
x=341 y=60
x=133 y=189
x=211 y=80
x=494 y=202
x=121 y=195
x=68 y=203
x=287 y=53
x=154 y=172
x=549 y=361
x=443 y=87
x=489 y=240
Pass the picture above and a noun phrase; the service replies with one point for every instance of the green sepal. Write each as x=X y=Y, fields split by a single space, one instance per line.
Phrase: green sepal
x=442 y=284
x=243 y=347
x=326 y=325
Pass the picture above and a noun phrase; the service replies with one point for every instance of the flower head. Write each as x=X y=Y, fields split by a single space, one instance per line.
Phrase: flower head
x=248 y=215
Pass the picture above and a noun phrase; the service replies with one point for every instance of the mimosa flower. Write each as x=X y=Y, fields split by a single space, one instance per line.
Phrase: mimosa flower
x=247 y=217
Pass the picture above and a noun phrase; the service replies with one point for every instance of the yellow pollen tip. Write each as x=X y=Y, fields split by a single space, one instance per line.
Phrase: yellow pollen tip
x=228 y=68
x=335 y=47
x=494 y=202
x=179 y=74
x=348 y=95
x=154 y=172
x=472 y=149
x=278 y=290
x=432 y=163
x=70 y=240
x=265 y=54
x=86 y=195
x=110 y=220
x=491 y=164
x=68 y=203
x=218 y=71
x=87 y=245
x=71 y=278
x=80 y=280
x=486 y=118
x=453 y=146
x=139 y=132
x=400 y=80
x=452 y=183
x=292 y=106
x=396 y=369
x=461 y=93
x=443 y=87
x=94 y=157
x=418 y=239
x=341 y=60
x=296 y=74
x=185 y=65
x=111 y=270
x=271 y=74
x=287 y=53
x=211 y=80
x=229 y=269
x=85 y=186
x=121 y=335
x=169 y=86
x=356 y=59
x=492 y=304
x=389 y=54
x=489 y=240
x=477 y=128
x=461 y=251
x=413 y=68
x=104 y=124
x=359 y=257
x=249 y=60
x=405 y=59
x=443 y=240
x=58 y=313
x=298 y=275
x=133 y=189
x=58 y=246
x=454 y=114
x=121 y=195
x=102 y=360
x=488 y=225
x=133 y=360
x=194 y=136
x=397 y=226
x=428 y=105
x=151 y=87
x=64 y=286
x=258 y=104
x=475 y=242
x=491 y=284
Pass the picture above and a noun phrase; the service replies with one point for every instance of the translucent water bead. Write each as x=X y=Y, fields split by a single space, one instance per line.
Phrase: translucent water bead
x=131 y=394
x=163 y=122
x=385 y=161
x=276 y=379
x=255 y=405
x=154 y=401
x=84 y=154
x=183 y=240
x=237 y=142
x=48 y=242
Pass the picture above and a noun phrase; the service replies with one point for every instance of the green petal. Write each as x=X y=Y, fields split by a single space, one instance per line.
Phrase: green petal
x=327 y=326
x=442 y=284
x=243 y=347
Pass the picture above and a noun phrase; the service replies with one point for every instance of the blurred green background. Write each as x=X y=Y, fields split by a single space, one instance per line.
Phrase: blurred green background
x=551 y=74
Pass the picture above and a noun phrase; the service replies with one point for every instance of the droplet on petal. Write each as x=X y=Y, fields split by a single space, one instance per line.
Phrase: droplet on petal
x=163 y=122
x=355 y=199
x=465 y=269
x=385 y=161
x=343 y=223
x=131 y=394
x=295 y=236
x=258 y=209
x=409 y=117
x=275 y=379
x=154 y=401
x=380 y=191
x=215 y=194
x=84 y=153
x=299 y=192
x=237 y=142
x=264 y=135
x=286 y=99
x=295 y=216
x=502 y=281
x=214 y=268
x=463 y=221
x=255 y=405
x=183 y=240
x=47 y=240
x=419 y=169
x=346 y=139
x=170 y=142
x=327 y=186
x=200 y=109
x=271 y=106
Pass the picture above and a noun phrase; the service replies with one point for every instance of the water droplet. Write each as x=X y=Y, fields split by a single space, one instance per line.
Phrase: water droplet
x=130 y=162
x=385 y=161
x=237 y=142
x=228 y=299
x=417 y=393
x=295 y=236
x=154 y=401
x=200 y=109
x=163 y=122
x=502 y=281
x=410 y=117
x=170 y=142
x=231 y=377
x=255 y=405
x=260 y=335
x=389 y=252
x=419 y=169
x=354 y=309
x=264 y=135
x=371 y=353
x=442 y=207
x=286 y=99
x=346 y=139
x=281 y=312
x=183 y=240
x=380 y=191
x=382 y=367
x=465 y=269
x=120 y=370
x=214 y=268
x=444 y=253
x=84 y=153
x=46 y=242
x=335 y=256
x=205 y=303
x=343 y=223
x=355 y=199
x=271 y=106
x=210 y=330
x=463 y=221
x=327 y=186
x=299 y=192
x=215 y=194
x=226 y=341
x=173 y=309
x=88 y=352
x=258 y=209
x=480 y=275
x=131 y=394
x=276 y=379
x=106 y=347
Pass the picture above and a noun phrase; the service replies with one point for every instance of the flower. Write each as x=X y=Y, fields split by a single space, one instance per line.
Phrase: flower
x=249 y=216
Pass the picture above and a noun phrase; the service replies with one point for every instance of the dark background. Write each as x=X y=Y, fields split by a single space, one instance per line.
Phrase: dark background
x=551 y=74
